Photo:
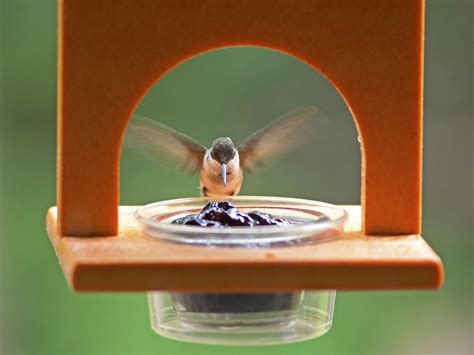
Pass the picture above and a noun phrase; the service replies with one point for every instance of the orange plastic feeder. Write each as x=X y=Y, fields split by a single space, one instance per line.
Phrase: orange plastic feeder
x=370 y=50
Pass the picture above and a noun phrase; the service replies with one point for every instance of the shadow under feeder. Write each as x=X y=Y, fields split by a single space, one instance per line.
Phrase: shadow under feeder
x=377 y=66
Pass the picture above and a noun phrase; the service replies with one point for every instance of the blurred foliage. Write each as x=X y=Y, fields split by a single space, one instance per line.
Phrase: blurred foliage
x=230 y=92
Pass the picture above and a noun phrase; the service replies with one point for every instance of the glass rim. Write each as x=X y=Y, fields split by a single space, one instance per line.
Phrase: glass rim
x=233 y=235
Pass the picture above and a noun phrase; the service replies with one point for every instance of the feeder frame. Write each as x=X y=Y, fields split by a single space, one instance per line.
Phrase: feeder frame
x=112 y=53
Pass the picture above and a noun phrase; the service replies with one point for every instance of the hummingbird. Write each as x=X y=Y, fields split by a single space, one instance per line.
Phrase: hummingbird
x=221 y=167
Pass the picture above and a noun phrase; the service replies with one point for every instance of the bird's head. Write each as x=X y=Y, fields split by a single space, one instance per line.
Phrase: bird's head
x=223 y=151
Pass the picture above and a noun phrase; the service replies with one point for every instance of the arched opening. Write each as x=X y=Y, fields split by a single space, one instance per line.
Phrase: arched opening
x=232 y=92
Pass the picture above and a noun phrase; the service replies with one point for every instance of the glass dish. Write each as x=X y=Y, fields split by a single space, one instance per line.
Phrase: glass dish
x=313 y=222
x=247 y=318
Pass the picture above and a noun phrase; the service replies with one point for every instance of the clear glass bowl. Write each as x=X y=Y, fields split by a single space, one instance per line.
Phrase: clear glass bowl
x=243 y=318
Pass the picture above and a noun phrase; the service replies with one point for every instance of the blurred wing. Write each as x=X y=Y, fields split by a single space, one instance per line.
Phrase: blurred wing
x=281 y=136
x=160 y=142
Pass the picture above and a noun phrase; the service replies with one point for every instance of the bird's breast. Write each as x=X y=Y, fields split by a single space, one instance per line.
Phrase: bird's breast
x=211 y=179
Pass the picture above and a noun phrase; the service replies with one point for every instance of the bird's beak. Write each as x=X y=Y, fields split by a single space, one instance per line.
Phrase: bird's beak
x=224 y=173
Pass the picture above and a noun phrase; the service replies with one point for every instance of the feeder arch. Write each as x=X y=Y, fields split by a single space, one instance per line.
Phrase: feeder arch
x=371 y=51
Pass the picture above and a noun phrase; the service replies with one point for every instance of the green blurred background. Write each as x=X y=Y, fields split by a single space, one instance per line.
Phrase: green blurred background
x=231 y=92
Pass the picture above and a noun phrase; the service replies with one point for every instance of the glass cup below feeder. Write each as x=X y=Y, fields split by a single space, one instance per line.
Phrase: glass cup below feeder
x=244 y=318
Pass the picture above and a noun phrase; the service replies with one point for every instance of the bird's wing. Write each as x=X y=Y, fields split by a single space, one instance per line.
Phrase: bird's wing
x=281 y=136
x=157 y=141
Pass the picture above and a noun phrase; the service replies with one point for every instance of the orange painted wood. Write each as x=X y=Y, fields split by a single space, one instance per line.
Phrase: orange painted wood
x=112 y=52
x=133 y=262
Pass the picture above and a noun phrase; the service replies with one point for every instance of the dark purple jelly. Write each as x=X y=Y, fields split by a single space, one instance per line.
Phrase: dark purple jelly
x=225 y=214
x=236 y=302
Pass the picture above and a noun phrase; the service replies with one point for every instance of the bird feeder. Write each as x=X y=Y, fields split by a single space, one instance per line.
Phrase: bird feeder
x=111 y=53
